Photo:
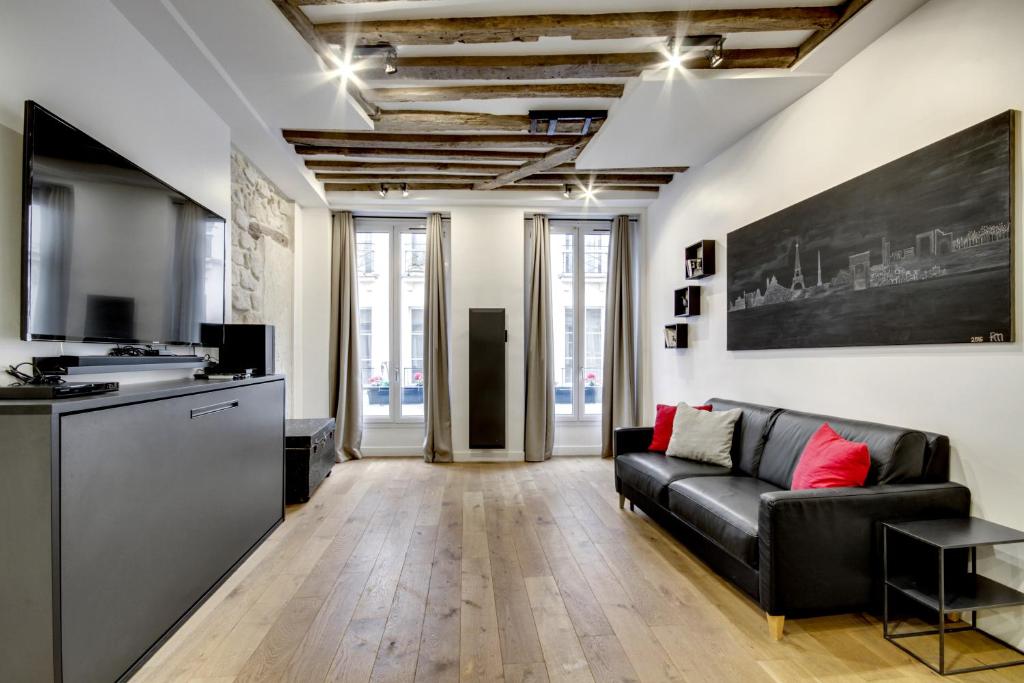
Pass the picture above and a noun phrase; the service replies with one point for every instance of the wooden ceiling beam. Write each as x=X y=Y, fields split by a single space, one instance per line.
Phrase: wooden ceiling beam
x=463 y=168
x=571 y=168
x=539 y=179
x=419 y=154
x=406 y=141
x=398 y=178
x=401 y=167
x=397 y=187
x=572 y=66
x=596 y=179
x=414 y=121
x=530 y=28
x=557 y=157
x=495 y=92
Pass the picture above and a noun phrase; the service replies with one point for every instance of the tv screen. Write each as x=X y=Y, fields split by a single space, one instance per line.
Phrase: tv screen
x=110 y=253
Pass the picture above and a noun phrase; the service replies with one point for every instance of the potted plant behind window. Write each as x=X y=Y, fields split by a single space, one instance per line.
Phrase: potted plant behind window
x=414 y=393
x=377 y=391
x=591 y=392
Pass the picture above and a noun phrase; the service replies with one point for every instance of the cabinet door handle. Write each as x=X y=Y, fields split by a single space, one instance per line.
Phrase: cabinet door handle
x=215 y=408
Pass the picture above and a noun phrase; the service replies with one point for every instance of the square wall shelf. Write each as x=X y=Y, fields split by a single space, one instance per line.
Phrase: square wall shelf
x=687 y=302
x=676 y=336
x=700 y=260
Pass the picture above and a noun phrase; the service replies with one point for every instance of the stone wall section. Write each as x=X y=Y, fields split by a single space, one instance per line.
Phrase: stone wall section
x=263 y=258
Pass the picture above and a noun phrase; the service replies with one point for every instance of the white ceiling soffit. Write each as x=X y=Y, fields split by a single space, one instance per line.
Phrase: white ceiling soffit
x=688 y=118
x=256 y=72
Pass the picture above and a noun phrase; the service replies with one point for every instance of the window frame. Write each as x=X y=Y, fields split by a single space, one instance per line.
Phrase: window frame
x=580 y=228
x=395 y=226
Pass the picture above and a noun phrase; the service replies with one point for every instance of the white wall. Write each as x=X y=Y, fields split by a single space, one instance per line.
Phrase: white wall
x=312 y=311
x=488 y=272
x=951 y=64
x=85 y=62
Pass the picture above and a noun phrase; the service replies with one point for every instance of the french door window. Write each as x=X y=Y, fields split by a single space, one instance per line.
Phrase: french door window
x=579 y=275
x=391 y=255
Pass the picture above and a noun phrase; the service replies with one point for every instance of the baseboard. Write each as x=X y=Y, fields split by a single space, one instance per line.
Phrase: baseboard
x=489 y=456
x=577 y=450
x=392 y=451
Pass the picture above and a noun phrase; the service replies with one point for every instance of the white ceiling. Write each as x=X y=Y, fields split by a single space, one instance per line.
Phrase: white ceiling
x=260 y=76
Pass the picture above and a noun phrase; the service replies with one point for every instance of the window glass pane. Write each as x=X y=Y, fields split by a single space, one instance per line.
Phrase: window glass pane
x=413 y=259
x=595 y=255
x=374 y=321
x=563 y=300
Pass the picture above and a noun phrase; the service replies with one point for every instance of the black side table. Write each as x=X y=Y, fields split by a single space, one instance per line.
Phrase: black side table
x=951 y=593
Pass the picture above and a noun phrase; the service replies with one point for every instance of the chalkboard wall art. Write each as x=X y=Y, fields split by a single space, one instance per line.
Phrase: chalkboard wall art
x=918 y=251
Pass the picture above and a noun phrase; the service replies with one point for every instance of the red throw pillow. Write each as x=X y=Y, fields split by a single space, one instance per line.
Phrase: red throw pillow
x=830 y=461
x=666 y=415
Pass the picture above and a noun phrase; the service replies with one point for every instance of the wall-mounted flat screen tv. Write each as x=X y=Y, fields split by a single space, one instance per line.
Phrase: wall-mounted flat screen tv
x=111 y=254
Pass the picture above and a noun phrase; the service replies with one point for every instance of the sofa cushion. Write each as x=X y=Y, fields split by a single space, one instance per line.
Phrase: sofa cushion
x=897 y=454
x=829 y=461
x=749 y=436
x=703 y=436
x=651 y=473
x=664 y=418
x=724 y=509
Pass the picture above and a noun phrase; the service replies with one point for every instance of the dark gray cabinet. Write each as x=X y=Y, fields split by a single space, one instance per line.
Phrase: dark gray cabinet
x=154 y=499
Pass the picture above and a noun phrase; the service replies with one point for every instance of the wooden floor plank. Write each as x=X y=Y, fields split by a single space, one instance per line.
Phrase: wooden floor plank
x=402 y=571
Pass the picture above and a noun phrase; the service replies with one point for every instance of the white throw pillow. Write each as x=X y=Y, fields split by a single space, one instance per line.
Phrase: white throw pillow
x=703 y=436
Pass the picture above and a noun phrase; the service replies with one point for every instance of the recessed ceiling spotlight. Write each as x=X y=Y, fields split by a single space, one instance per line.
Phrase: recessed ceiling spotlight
x=391 y=61
x=588 y=192
x=716 y=53
x=673 y=59
x=383 y=191
x=405 y=189
x=567 y=192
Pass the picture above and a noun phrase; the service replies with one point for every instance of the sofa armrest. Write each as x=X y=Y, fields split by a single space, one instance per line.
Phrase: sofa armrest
x=632 y=439
x=820 y=549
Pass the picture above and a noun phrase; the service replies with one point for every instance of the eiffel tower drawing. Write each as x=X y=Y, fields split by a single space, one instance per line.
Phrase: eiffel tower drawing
x=798 y=275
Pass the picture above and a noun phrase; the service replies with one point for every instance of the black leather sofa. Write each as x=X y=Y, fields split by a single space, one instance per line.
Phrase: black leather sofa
x=798 y=553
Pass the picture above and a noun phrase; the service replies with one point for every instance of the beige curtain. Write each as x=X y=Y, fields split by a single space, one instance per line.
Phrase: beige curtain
x=437 y=445
x=345 y=382
x=620 y=398
x=539 y=437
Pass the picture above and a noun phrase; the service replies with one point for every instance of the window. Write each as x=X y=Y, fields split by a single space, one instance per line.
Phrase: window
x=365 y=343
x=579 y=264
x=365 y=246
x=391 y=260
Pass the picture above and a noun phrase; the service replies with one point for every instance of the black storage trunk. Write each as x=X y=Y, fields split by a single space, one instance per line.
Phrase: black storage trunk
x=309 y=450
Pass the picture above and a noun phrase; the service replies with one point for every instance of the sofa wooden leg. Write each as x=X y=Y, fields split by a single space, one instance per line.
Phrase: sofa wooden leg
x=632 y=507
x=622 y=502
x=775 y=626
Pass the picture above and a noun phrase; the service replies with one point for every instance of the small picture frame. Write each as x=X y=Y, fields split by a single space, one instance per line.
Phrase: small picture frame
x=670 y=336
x=675 y=336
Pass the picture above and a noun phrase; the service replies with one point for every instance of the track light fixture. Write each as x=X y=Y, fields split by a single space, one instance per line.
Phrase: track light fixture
x=567 y=192
x=678 y=49
x=383 y=191
x=391 y=61
x=715 y=54
x=389 y=52
x=405 y=189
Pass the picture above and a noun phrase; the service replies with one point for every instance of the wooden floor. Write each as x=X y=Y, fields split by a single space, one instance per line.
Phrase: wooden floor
x=402 y=571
